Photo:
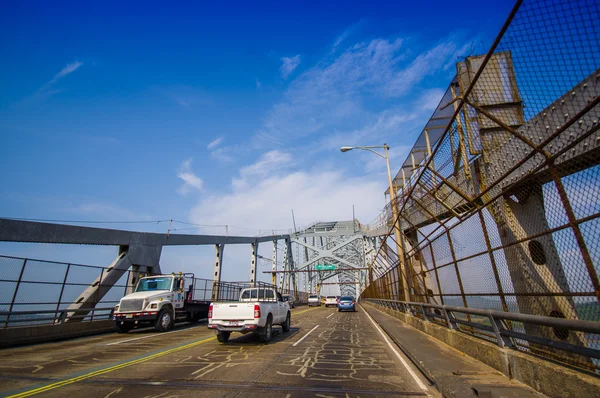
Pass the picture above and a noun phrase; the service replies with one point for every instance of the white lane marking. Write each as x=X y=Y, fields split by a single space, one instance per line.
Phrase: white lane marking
x=413 y=374
x=153 y=335
x=305 y=336
x=330 y=315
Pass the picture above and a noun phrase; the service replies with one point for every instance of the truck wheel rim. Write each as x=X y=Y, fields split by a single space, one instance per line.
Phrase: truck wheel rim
x=166 y=320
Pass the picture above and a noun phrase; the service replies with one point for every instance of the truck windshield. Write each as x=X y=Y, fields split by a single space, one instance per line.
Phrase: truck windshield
x=149 y=284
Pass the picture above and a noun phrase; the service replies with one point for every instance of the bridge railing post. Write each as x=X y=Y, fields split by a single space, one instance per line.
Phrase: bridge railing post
x=499 y=325
x=452 y=324
x=63 y=317
x=62 y=289
x=424 y=311
x=12 y=303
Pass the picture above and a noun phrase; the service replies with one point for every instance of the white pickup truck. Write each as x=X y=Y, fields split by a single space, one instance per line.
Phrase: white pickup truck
x=256 y=310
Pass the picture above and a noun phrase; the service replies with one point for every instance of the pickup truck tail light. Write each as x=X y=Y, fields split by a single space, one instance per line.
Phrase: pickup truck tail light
x=353 y=303
x=210 y=310
x=256 y=311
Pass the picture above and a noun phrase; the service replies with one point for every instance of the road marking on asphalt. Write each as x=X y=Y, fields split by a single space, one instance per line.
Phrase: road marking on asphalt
x=330 y=315
x=413 y=374
x=305 y=336
x=109 y=369
x=302 y=312
x=156 y=334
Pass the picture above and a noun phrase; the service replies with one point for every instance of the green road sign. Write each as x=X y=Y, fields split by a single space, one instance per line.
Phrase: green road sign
x=325 y=267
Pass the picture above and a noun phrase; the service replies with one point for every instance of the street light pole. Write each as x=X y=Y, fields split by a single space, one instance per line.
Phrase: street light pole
x=400 y=250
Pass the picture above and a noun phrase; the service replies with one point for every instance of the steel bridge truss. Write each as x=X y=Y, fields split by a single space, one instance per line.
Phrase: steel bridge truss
x=341 y=244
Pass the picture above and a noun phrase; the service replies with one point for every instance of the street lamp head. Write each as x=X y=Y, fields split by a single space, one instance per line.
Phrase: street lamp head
x=346 y=148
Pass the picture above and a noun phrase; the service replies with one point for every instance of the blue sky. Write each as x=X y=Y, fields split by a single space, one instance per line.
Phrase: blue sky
x=217 y=114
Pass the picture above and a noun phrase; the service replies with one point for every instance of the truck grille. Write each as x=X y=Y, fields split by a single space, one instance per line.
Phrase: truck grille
x=131 y=305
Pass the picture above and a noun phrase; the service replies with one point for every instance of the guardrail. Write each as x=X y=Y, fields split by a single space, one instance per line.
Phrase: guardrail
x=59 y=316
x=505 y=336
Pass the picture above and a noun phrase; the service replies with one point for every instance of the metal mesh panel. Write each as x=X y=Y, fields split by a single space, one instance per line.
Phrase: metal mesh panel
x=505 y=212
x=45 y=288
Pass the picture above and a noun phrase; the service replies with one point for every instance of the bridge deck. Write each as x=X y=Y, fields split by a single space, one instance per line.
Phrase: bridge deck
x=326 y=354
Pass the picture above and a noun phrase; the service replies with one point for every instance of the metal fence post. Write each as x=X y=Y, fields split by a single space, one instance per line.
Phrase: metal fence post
x=62 y=289
x=12 y=302
x=425 y=316
x=499 y=326
x=450 y=319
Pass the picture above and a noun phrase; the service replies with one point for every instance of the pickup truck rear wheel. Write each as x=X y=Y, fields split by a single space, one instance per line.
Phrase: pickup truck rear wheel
x=223 y=337
x=267 y=331
x=285 y=326
x=164 y=321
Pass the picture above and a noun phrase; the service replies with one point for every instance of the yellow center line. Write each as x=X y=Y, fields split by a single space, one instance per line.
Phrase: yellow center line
x=99 y=372
x=302 y=312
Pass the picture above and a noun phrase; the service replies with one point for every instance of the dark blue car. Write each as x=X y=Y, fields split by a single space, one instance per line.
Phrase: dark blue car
x=346 y=303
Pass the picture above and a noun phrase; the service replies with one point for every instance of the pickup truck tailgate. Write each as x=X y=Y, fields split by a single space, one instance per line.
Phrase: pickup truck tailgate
x=232 y=311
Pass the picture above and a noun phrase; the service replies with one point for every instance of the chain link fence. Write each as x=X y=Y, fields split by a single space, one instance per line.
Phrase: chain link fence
x=500 y=208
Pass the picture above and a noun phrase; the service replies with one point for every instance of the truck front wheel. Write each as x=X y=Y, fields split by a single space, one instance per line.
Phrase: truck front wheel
x=123 y=327
x=223 y=337
x=164 y=321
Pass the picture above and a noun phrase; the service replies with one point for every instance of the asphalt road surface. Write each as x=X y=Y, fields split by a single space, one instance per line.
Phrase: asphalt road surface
x=326 y=354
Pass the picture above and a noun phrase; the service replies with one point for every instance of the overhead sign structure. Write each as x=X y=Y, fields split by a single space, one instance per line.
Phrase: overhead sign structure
x=325 y=267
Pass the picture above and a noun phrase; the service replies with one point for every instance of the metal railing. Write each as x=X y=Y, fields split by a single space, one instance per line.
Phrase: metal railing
x=37 y=317
x=498 y=327
x=31 y=289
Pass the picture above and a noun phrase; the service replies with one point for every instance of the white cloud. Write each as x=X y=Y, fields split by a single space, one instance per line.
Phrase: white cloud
x=265 y=204
x=430 y=99
x=375 y=130
x=267 y=163
x=345 y=34
x=346 y=91
x=223 y=154
x=185 y=96
x=258 y=84
x=191 y=181
x=288 y=65
x=67 y=70
x=48 y=89
x=214 y=143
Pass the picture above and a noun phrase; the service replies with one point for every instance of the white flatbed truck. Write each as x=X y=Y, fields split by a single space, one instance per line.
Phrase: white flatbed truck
x=159 y=301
